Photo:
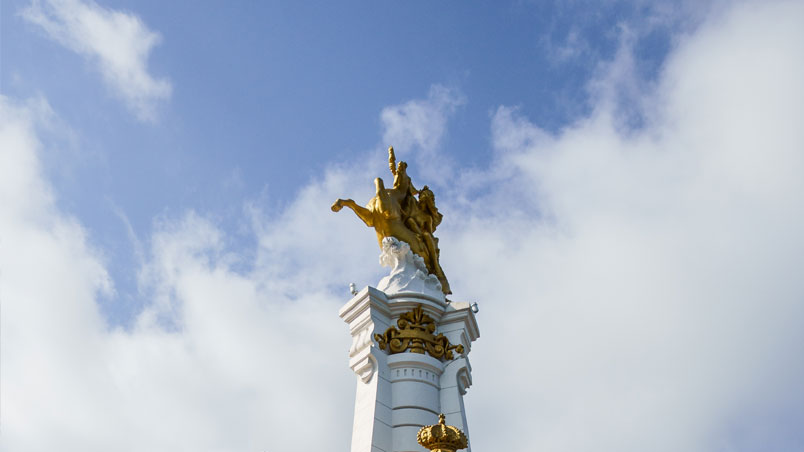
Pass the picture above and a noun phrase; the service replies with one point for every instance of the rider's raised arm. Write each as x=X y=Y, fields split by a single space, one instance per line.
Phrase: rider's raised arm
x=392 y=160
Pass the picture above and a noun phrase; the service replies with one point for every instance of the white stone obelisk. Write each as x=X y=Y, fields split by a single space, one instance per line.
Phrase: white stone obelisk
x=398 y=392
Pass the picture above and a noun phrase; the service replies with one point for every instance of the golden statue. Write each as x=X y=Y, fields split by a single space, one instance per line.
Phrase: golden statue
x=397 y=212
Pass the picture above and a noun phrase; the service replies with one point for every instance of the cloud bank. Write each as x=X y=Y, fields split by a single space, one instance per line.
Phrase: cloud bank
x=639 y=288
x=655 y=301
x=218 y=360
x=116 y=42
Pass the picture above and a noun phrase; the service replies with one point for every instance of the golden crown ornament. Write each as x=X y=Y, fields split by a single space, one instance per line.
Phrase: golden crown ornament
x=442 y=437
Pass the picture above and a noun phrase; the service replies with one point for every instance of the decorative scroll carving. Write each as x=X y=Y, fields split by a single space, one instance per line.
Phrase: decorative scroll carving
x=415 y=334
x=365 y=368
x=360 y=341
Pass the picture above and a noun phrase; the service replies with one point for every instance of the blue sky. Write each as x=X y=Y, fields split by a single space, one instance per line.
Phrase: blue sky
x=620 y=183
x=264 y=97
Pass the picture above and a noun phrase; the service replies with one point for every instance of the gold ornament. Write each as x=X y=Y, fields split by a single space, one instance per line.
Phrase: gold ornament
x=415 y=334
x=397 y=212
x=442 y=437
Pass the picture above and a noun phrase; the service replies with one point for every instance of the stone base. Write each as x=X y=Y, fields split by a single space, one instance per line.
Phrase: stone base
x=400 y=393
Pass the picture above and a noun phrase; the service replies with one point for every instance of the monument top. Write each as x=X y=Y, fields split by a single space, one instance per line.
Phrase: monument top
x=404 y=213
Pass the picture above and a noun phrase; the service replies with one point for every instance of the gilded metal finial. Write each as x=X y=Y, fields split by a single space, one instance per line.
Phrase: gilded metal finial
x=403 y=212
x=442 y=437
x=416 y=335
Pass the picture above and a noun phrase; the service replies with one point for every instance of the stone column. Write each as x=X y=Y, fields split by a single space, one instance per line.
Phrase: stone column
x=398 y=392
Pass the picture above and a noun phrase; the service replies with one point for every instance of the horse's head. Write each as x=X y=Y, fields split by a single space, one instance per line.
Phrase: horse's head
x=382 y=203
x=379 y=185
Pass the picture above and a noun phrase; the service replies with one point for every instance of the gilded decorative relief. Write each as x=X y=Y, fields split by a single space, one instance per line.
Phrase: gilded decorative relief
x=415 y=333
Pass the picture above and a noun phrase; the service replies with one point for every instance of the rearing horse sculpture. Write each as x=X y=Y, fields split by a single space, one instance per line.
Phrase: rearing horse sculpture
x=395 y=212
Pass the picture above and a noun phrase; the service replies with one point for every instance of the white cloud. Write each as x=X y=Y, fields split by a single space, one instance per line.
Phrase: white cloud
x=218 y=360
x=639 y=289
x=117 y=42
x=655 y=302
x=417 y=127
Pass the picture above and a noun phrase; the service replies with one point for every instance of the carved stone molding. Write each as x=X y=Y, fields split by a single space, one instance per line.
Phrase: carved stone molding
x=361 y=340
x=464 y=380
x=365 y=368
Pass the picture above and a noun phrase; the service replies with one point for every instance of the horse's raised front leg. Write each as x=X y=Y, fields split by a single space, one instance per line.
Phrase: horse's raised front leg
x=364 y=214
x=338 y=205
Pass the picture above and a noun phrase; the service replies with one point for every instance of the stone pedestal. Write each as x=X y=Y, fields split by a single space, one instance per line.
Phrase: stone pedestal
x=398 y=393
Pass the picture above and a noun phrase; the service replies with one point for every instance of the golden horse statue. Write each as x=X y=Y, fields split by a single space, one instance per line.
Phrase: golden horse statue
x=396 y=212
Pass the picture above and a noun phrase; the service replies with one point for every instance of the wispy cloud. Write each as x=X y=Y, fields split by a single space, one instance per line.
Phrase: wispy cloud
x=117 y=43
x=417 y=127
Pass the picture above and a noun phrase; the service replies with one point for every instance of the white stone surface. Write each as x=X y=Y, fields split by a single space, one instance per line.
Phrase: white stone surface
x=408 y=271
x=398 y=394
